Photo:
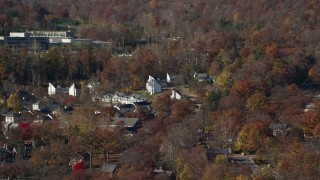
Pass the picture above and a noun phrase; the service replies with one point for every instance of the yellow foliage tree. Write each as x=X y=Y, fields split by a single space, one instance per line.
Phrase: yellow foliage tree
x=224 y=80
x=15 y=102
x=236 y=17
x=271 y=50
x=185 y=174
x=255 y=101
x=242 y=177
x=152 y=3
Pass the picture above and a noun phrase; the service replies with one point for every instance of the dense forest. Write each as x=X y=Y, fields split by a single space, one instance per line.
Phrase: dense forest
x=263 y=54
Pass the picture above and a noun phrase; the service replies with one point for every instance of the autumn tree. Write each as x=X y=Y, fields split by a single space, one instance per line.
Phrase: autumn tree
x=251 y=137
x=241 y=88
x=255 y=101
x=216 y=172
x=191 y=164
x=181 y=108
x=314 y=73
x=226 y=126
x=213 y=100
x=311 y=122
x=163 y=103
x=142 y=66
x=89 y=142
x=224 y=80
x=15 y=102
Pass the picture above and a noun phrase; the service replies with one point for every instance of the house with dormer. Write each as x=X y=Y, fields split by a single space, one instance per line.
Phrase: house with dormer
x=153 y=86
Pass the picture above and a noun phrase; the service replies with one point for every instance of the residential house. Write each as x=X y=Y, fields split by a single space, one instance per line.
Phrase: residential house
x=75 y=159
x=124 y=108
x=73 y=91
x=309 y=107
x=54 y=108
x=46 y=106
x=109 y=169
x=170 y=78
x=38 y=117
x=27 y=150
x=212 y=152
x=132 y=99
x=278 y=128
x=107 y=98
x=4 y=111
x=92 y=86
x=12 y=117
x=165 y=173
x=142 y=106
x=27 y=99
x=153 y=86
x=203 y=77
x=175 y=95
x=118 y=97
x=51 y=90
x=131 y=124
x=121 y=98
x=7 y=154
x=39 y=106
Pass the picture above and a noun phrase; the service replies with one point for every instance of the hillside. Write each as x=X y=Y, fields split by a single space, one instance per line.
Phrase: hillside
x=263 y=56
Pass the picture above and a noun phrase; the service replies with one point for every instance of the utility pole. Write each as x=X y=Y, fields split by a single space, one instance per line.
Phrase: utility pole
x=122 y=44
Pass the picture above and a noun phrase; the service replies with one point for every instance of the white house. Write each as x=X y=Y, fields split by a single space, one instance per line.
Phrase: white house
x=38 y=106
x=72 y=90
x=153 y=86
x=171 y=79
x=12 y=117
x=121 y=98
x=175 y=95
x=168 y=78
x=118 y=97
x=51 y=90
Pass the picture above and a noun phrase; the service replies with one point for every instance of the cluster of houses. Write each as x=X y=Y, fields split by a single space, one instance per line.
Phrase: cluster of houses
x=155 y=85
x=72 y=91
x=46 y=109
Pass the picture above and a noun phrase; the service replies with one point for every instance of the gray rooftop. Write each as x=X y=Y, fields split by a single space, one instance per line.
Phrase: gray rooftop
x=127 y=122
x=108 y=168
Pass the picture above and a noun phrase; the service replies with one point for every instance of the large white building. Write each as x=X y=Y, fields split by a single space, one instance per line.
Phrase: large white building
x=153 y=86
x=72 y=90
x=46 y=39
x=51 y=90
